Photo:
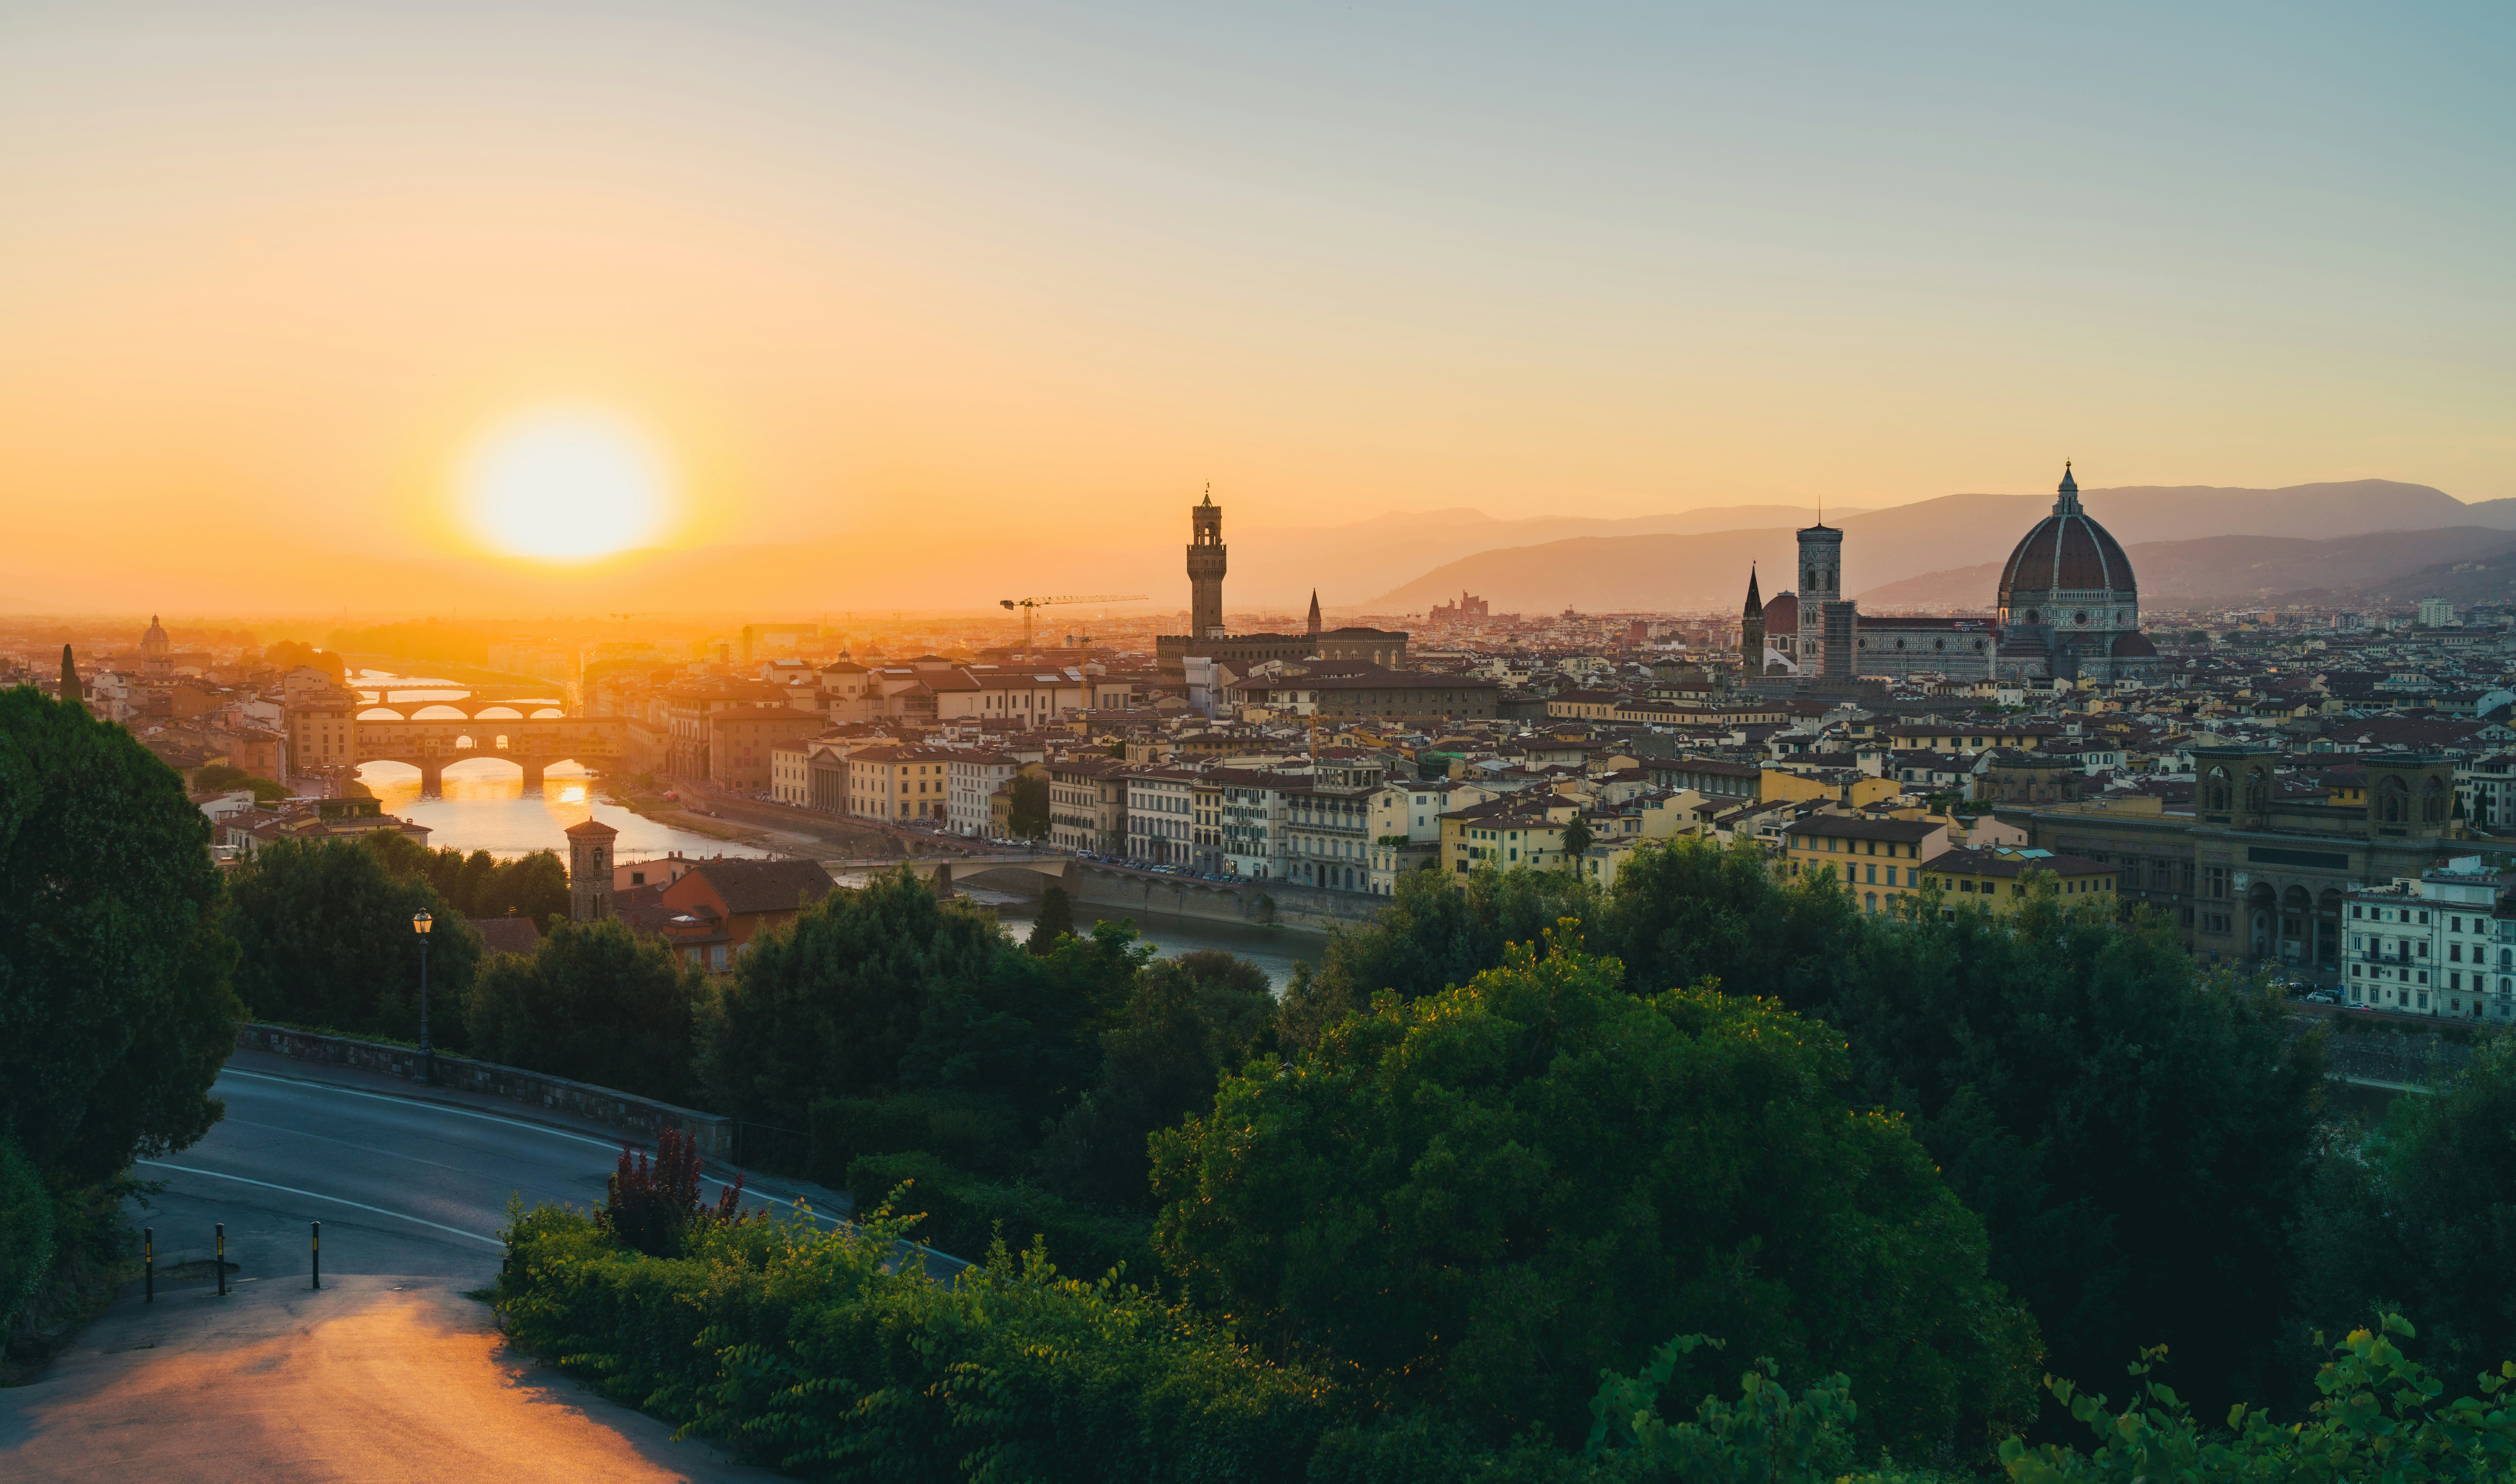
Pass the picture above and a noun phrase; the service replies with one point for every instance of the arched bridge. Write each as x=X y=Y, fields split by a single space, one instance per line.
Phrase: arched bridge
x=405 y=702
x=530 y=743
x=941 y=871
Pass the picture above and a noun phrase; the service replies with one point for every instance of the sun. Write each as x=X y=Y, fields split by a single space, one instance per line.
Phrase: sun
x=566 y=484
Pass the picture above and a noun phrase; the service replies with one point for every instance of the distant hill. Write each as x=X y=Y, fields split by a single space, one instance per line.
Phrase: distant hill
x=2228 y=569
x=1945 y=538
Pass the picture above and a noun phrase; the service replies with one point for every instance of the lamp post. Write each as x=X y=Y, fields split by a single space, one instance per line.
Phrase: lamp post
x=419 y=924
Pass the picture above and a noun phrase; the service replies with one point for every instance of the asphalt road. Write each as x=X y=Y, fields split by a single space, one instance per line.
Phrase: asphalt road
x=389 y=1373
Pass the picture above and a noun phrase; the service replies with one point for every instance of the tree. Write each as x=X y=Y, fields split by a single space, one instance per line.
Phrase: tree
x=2420 y=1213
x=1439 y=930
x=1483 y=1196
x=115 y=1012
x=289 y=654
x=326 y=939
x=1027 y=817
x=1186 y=1022
x=1055 y=920
x=531 y=886
x=1577 y=841
x=1024 y=1034
x=824 y=1007
x=595 y=1003
x=221 y=777
x=71 y=694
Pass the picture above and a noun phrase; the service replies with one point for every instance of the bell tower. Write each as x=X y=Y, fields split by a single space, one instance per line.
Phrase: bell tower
x=1825 y=619
x=1751 y=632
x=1205 y=563
x=589 y=869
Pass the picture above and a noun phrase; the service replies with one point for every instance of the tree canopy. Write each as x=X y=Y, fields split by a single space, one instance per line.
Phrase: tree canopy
x=1483 y=1196
x=115 y=1012
x=595 y=1003
x=326 y=939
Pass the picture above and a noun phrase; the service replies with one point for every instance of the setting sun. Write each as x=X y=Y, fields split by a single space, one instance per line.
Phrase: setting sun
x=564 y=484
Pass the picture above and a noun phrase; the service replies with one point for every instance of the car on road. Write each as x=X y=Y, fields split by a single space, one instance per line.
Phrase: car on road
x=2321 y=997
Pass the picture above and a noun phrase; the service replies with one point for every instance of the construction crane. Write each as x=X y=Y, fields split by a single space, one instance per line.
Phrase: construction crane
x=1031 y=605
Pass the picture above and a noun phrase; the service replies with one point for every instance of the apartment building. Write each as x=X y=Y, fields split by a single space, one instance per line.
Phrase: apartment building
x=898 y=782
x=1161 y=802
x=2443 y=945
x=971 y=779
x=1087 y=805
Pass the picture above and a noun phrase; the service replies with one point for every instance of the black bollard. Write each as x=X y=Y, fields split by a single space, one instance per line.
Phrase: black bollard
x=219 y=1259
x=149 y=1265
x=319 y=1253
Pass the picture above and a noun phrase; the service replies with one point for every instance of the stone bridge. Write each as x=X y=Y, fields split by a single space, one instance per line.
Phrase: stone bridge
x=530 y=743
x=940 y=871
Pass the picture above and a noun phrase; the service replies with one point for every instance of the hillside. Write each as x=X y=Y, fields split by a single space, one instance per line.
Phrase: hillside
x=2222 y=570
x=1943 y=537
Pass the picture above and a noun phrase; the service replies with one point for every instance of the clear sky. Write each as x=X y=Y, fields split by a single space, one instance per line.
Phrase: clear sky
x=269 y=272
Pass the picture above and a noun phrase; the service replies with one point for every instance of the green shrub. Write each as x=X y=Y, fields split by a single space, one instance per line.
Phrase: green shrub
x=968 y=1130
x=26 y=1230
x=809 y=1351
x=962 y=1212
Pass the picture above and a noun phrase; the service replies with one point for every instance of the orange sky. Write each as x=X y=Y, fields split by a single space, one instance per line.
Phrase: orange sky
x=978 y=273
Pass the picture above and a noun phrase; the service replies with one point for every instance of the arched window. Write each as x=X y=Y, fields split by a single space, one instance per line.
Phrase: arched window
x=463 y=743
x=501 y=743
x=2433 y=802
x=2393 y=801
x=2217 y=797
x=2258 y=789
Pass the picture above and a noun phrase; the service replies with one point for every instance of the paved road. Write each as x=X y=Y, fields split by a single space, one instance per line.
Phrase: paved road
x=389 y=1373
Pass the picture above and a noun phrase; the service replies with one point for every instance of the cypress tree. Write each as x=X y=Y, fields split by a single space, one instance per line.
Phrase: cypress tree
x=69 y=679
x=1055 y=921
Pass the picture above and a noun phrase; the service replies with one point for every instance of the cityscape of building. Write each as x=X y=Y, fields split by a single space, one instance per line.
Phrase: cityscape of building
x=2274 y=783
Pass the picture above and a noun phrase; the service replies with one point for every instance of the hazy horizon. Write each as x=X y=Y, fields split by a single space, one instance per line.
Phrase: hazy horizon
x=942 y=285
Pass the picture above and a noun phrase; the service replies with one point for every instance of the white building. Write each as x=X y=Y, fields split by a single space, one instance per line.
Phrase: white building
x=974 y=778
x=1162 y=813
x=2442 y=946
x=2435 y=613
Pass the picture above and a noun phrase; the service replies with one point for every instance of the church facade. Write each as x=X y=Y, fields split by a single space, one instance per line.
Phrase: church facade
x=2068 y=608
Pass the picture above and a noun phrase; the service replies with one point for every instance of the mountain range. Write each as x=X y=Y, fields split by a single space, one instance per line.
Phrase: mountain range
x=2200 y=544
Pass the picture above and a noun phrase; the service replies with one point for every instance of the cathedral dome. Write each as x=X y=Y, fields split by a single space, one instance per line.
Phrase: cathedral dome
x=2067 y=557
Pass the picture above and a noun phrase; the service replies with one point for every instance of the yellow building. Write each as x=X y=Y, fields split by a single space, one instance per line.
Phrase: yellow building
x=1854 y=792
x=1505 y=837
x=1879 y=861
x=1997 y=878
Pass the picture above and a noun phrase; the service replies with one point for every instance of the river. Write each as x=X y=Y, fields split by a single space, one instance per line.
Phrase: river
x=486 y=808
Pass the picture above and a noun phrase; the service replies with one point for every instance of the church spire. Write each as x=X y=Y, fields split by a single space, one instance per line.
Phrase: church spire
x=1314 y=612
x=1755 y=603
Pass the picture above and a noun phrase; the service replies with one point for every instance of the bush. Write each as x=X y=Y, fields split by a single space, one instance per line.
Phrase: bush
x=652 y=1205
x=26 y=1230
x=812 y=1352
x=327 y=938
x=961 y=1213
x=975 y=1133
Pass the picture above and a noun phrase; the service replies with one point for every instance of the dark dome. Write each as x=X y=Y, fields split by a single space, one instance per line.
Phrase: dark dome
x=2134 y=645
x=1783 y=614
x=2066 y=553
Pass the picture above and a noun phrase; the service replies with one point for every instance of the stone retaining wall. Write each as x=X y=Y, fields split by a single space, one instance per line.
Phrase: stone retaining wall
x=1255 y=904
x=627 y=1112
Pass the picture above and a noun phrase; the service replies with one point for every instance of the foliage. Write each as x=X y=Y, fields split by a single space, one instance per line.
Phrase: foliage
x=1187 y=1021
x=2420 y=1214
x=531 y=886
x=1439 y=930
x=813 y=1352
x=652 y=1205
x=2134 y=1135
x=1477 y=1197
x=969 y=1130
x=2381 y=1419
x=1028 y=814
x=825 y=1006
x=1055 y=920
x=326 y=940
x=25 y=1229
x=115 y=1012
x=595 y=1003
x=225 y=777
x=1577 y=841
x=962 y=1215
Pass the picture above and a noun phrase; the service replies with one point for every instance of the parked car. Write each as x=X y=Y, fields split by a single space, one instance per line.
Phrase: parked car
x=2322 y=996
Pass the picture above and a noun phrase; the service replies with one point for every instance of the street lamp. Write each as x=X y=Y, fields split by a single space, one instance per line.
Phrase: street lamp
x=419 y=924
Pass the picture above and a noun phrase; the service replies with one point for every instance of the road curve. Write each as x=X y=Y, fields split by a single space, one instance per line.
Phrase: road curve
x=389 y=1373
